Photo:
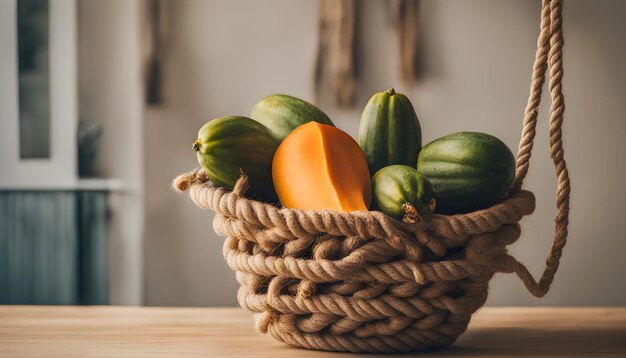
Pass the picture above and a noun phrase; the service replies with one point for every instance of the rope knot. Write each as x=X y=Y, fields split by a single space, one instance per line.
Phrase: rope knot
x=418 y=230
x=185 y=181
x=242 y=185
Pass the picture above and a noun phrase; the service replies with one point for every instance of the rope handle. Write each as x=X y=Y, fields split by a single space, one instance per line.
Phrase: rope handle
x=549 y=55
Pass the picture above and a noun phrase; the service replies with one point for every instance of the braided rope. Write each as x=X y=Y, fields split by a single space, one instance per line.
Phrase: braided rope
x=280 y=224
x=364 y=282
x=347 y=282
x=549 y=53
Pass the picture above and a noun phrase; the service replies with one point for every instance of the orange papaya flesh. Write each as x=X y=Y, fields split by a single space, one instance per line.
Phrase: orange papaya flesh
x=320 y=167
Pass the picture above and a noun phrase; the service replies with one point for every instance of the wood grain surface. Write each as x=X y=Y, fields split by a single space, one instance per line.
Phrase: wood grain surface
x=107 y=331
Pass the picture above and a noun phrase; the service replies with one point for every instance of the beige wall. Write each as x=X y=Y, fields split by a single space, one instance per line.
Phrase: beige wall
x=223 y=56
x=111 y=94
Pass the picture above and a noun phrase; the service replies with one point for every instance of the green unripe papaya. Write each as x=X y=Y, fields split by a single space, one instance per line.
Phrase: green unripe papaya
x=281 y=114
x=389 y=132
x=468 y=170
x=227 y=146
x=402 y=192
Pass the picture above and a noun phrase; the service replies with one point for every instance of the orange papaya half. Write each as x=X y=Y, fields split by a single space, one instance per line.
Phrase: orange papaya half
x=320 y=167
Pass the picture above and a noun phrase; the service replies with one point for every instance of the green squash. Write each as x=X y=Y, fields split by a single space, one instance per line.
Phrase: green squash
x=281 y=114
x=468 y=170
x=228 y=145
x=401 y=192
x=389 y=132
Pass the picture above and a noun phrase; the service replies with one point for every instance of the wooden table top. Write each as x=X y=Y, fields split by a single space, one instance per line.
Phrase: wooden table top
x=108 y=331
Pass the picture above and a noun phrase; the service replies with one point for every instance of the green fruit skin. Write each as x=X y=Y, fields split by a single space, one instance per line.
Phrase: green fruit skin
x=468 y=170
x=395 y=185
x=228 y=145
x=389 y=132
x=281 y=114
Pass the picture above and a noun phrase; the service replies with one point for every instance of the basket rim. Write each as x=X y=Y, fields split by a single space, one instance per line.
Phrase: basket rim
x=279 y=223
x=523 y=200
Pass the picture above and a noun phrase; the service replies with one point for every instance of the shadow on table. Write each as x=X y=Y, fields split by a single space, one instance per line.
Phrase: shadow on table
x=531 y=342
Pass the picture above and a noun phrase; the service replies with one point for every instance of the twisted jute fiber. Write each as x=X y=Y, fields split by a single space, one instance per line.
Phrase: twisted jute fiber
x=364 y=282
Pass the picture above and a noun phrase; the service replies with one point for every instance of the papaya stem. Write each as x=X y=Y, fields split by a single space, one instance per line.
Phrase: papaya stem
x=390 y=91
x=195 y=145
x=410 y=214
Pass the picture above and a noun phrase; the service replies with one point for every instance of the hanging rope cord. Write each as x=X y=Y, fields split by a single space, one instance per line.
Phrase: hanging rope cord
x=549 y=55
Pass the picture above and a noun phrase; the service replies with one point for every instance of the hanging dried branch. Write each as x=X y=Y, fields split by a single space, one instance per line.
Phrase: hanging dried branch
x=335 y=53
x=404 y=19
x=157 y=21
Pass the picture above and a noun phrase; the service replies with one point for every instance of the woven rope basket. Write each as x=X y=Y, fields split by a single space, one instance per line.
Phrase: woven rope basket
x=364 y=282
